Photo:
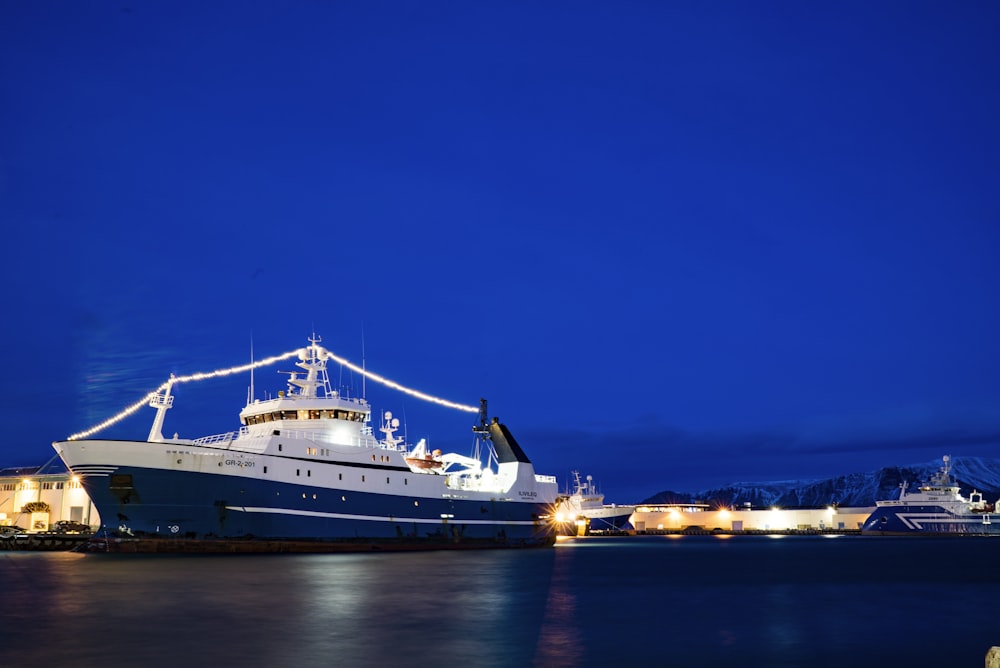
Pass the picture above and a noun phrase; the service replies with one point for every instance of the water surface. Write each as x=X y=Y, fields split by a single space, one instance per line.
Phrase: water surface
x=637 y=601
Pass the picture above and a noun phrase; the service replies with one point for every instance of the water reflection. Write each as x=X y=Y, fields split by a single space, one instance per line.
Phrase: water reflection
x=418 y=609
x=559 y=642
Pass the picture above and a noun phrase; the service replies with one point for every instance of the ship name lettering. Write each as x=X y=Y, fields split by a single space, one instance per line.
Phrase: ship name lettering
x=522 y=493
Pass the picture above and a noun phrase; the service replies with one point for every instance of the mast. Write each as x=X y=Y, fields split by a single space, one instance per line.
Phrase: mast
x=161 y=402
x=250 y=400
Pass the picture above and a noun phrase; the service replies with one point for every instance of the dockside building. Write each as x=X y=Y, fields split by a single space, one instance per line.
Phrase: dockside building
x=36 y=497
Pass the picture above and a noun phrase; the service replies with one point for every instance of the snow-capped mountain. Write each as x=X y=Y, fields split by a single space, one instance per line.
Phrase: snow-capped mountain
x=852 y=490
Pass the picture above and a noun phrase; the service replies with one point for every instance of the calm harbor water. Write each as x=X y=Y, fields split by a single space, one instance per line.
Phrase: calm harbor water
x=632 y=601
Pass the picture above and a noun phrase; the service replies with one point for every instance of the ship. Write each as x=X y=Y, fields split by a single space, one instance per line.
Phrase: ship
x=937 y=507
x=584 y=511
x=304 y=472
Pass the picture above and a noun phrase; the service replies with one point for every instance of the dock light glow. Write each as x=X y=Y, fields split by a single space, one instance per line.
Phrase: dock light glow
x=299 y=352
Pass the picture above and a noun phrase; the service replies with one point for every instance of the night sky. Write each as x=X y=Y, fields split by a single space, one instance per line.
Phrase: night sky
x=674 y=244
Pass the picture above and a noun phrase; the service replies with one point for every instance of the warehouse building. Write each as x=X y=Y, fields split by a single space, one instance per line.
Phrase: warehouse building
x=701 y=517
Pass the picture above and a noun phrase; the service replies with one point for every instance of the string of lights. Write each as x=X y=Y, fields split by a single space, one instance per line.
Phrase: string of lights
x=396 y=386
x=204 y=375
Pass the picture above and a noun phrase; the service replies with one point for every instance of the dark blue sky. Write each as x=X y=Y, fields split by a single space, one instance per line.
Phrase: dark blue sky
x=675 y=244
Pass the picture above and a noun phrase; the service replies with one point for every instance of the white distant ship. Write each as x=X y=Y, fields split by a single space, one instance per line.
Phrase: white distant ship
x=937 y=507
x=584 y=510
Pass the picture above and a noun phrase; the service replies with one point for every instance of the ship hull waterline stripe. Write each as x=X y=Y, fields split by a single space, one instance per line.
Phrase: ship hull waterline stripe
x=345 y=516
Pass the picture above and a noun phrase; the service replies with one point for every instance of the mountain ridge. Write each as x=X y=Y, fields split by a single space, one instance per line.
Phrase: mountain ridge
x=849 y=490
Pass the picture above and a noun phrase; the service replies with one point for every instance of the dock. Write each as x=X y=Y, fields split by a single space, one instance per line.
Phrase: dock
x=43 y=542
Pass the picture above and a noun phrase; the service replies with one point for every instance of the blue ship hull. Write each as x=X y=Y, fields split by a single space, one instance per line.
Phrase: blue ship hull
x=929 y=519
x=614 y=523
x=184 y=505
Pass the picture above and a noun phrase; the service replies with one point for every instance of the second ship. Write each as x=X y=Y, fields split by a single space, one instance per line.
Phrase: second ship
x=583 y=511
